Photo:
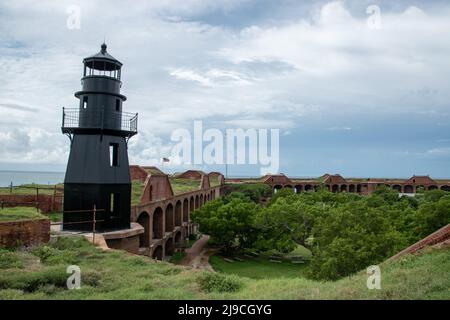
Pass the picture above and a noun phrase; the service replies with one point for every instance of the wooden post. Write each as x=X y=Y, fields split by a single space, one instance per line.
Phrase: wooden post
x=37 y=198
x=54 y=198
x=93 y=226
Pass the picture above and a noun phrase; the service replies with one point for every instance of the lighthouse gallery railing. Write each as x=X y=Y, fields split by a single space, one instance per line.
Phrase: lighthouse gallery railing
x=76 y=118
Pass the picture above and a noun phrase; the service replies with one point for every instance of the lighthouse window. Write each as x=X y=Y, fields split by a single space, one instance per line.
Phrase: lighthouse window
x=117 y=105
x=85 y=102
x=114 y=154
x=114 y=203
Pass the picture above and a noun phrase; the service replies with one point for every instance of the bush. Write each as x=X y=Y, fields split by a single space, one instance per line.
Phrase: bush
x=256 y=192
x=9 y=259
x=217 y=282
x=67 y=243
x=34 y=281
x=52 y=256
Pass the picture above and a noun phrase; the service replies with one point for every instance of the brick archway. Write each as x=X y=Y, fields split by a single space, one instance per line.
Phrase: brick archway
x=177 y=238
x=169 y=218
x=178 y=214
x=158 y=253
x=144 y=221
x=158 y=226
x=169 y=247
x=185 y=210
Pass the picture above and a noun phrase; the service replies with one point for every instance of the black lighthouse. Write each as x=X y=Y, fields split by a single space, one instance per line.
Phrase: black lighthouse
x=97 y=171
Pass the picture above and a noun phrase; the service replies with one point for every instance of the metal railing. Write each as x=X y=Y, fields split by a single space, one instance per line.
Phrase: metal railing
x=76 y=118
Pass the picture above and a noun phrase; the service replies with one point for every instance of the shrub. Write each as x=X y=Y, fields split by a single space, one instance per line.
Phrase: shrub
x=9 y=259
x=217 y=282
x=31 y=282
x=67 y=243
x=52 y=256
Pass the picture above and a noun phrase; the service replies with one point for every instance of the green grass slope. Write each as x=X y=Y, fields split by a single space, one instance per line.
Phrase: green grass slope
x=19 y=213
x=41 y=274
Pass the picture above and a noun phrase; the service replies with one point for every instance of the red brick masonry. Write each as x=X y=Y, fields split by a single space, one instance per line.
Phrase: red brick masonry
x=47 y=203
x=24 y=232
x=439 y=236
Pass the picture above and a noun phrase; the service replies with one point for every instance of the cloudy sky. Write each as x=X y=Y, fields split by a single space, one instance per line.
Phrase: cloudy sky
x=349 y=96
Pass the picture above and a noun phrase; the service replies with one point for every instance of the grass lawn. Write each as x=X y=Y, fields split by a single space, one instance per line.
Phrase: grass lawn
x=41 y=274
x=258 y=268
x=214 y=181
x=55 y=216
x=180 y=185
x=19 y=213
x=31 y=189
x=137 y=189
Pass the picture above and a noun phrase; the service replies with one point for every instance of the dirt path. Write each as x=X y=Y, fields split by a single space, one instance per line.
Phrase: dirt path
x=197 y=256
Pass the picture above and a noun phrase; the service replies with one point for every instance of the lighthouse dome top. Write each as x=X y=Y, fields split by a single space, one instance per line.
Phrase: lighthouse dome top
x=102 y=60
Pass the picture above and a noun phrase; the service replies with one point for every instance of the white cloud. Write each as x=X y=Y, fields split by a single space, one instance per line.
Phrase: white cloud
x=178 y=68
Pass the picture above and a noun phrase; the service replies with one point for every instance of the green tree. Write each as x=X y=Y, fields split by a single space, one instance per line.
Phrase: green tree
x=229 y=225
x=433 y=215
x=350 y=237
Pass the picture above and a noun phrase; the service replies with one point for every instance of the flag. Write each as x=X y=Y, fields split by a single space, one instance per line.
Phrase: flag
x=165 y=160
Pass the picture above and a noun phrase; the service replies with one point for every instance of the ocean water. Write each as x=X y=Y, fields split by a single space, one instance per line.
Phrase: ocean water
x=22 y=177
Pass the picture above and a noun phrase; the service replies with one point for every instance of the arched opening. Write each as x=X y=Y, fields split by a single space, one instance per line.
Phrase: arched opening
x=344 y=188
x=351 y=188
x=335 y=188
x=150 y=193
x=298 y=188
x=178 y=214
x=409 y=189
x=144 y=221
x=157 y=253
x=169 y=247
x=197 y=201
x=445 y=188
x=158 y=227
x=308 y=187
x=169 y=217
x=209 y=196
x=432 y=188
x=191 y=205
x=201 y=200
x=326 y=187
x=276 y=188
x=397 y=187
x=358 y=188
x=420 y=188
x=185 y=210
x=178 y=239
x=316 y=188
x=212 y=195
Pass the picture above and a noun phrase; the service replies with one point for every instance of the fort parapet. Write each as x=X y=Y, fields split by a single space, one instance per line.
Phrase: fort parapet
x=337 y=183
